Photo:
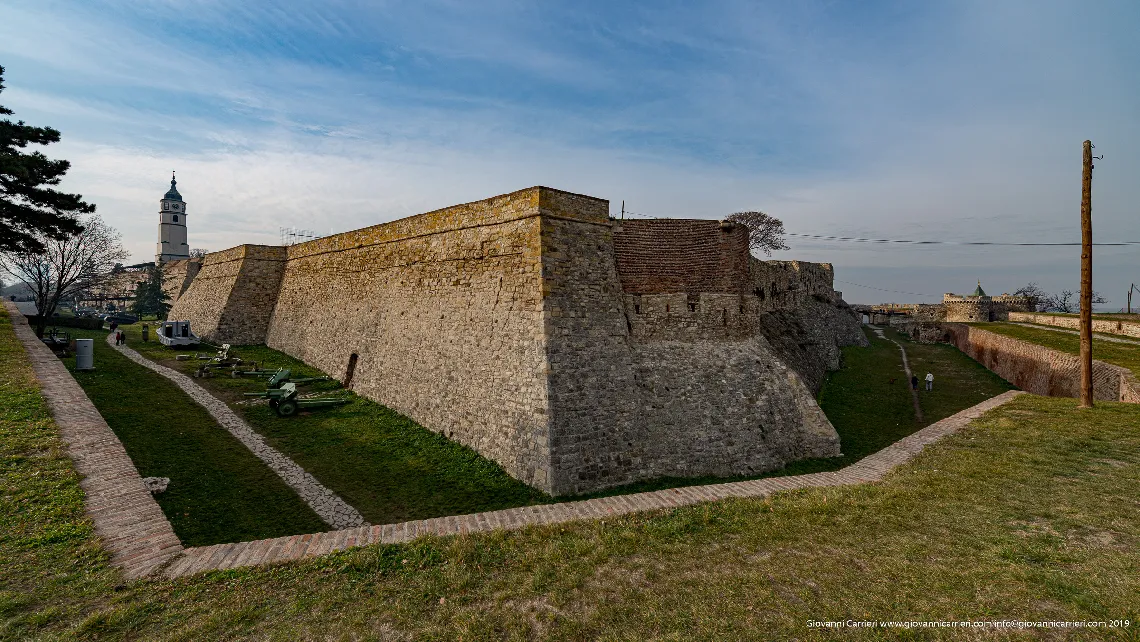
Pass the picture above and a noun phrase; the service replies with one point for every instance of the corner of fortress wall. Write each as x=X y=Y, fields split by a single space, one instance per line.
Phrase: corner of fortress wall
x=503 y=324
x=233 y=295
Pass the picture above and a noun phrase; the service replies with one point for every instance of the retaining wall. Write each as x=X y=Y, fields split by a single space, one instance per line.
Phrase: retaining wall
x=1040 y=370
x=1122 y=328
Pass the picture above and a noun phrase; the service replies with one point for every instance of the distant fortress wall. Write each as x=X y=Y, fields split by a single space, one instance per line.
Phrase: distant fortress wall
x=535 y=329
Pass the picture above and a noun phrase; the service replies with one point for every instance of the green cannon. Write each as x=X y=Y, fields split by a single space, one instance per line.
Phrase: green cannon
x=280 y=376
x=286 y=403
x=222 y=360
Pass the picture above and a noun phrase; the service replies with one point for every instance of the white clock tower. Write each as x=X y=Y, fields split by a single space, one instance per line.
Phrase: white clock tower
x=172 y=227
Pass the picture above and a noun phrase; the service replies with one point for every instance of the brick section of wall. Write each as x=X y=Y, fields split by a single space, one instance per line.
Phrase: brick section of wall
x=300 y=547
x=129 y=522
x=681 y=255
x=1040 y=370
x=1122 y=328
x=233 y=296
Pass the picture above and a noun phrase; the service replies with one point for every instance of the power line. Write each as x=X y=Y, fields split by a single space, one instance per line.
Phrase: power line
x=871 y=287
x=820 y=237
x=851 y=239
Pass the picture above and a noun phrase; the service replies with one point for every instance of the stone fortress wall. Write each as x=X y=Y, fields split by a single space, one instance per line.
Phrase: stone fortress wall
x=576 y=351
x=1041 y=370
x=1122 y=327
x=177 y=276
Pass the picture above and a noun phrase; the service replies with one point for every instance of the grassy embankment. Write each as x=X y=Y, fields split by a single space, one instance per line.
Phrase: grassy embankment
x=383 y=464
x=870 y=412
x=391 y=469
x=1125 y=355
x=219 y=491
x=1029 y=514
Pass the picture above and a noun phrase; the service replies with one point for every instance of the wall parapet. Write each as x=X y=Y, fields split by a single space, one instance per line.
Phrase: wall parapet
x=1041 y=370
x=1122 y=327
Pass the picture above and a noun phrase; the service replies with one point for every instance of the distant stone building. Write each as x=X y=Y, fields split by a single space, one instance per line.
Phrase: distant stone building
x=172 y=243
x=980 y=307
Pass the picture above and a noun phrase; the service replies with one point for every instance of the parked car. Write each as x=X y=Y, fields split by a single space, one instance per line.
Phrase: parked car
x=122 y=318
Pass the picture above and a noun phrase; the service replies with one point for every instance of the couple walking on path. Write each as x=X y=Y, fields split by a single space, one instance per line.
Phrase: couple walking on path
x=929 y=381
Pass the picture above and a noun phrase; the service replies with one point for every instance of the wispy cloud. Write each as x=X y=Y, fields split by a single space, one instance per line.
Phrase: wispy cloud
x=955 y=120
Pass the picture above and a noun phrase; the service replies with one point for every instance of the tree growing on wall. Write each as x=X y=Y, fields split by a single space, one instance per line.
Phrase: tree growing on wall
x=65 y=266
x=765 y=232
x=150 y=298
x=31 y=209
x=198 y=253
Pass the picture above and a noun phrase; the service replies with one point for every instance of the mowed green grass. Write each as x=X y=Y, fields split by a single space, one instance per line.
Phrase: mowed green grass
x=1126 y=355
x=382 y=463
x=870 y=412
x=1028 y=514
x=959 y=381
x=219 y=491
x=391 y=469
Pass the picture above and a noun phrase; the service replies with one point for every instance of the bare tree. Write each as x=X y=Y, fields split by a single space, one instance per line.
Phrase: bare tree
x=1037 y=297
x=765 y=233
x=198 y=253
x=1066 y=302
x=66 y=266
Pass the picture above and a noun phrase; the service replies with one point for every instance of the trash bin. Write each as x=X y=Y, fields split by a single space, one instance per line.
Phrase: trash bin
x=84 y=354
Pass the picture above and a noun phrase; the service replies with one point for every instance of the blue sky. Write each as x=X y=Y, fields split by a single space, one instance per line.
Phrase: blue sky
x=926 y=120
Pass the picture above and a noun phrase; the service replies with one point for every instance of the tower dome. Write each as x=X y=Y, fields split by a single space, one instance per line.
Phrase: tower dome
x=172 y=193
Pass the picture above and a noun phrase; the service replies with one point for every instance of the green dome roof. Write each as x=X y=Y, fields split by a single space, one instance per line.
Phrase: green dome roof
x=979 y=291
x=172 y=193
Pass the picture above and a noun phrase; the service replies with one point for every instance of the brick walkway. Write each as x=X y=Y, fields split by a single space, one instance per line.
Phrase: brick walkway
x=328 y=505
x=133 y=528
x=283 y=549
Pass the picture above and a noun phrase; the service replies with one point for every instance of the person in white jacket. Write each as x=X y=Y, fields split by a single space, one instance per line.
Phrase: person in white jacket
x=929 y=381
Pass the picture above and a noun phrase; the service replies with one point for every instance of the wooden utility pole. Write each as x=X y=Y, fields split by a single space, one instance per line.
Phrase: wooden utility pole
x=1086 y=279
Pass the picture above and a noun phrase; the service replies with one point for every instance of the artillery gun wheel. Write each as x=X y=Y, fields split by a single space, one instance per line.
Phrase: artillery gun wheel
x=286 y=408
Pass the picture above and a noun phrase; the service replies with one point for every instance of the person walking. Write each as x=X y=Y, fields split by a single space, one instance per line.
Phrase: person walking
x=914 y=381
x=929 y=381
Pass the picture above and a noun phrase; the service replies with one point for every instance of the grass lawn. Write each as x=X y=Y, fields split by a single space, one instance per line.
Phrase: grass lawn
x=219 y=491
x=1125 y=355
x=1029 y=514
x=391 y=469
x=383 y=464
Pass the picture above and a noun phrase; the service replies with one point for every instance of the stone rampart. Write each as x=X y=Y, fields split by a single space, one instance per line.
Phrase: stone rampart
x=1107 y=326
x=1040 y=370
x=438 y=316
x=177 y=276
x=233 y=295
x=506 y=324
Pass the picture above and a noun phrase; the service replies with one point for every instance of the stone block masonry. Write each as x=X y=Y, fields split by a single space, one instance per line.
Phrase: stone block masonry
x=514 y=325
x=1041 y=370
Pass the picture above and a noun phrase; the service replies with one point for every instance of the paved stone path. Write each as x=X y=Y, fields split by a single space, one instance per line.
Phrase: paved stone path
x=133 y=528
x=1099 y=336
x=283 y=549
x=328 y=506
x=906 y=368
